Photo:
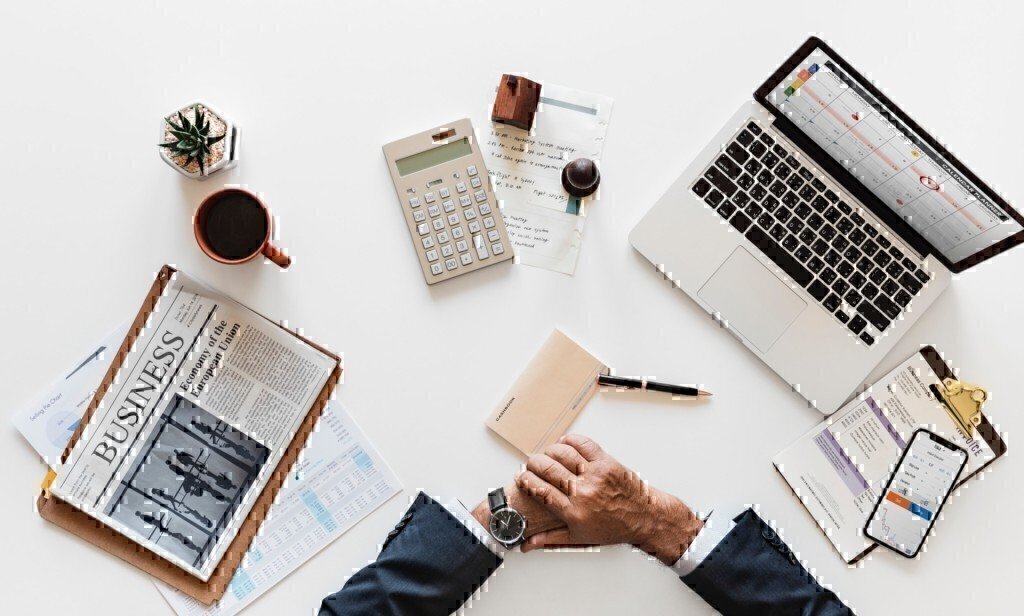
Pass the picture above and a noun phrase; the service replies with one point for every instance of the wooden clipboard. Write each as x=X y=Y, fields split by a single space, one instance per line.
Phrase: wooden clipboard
x=93 y=531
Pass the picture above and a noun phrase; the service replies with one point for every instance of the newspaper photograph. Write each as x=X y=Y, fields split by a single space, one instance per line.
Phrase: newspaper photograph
x=197 y=419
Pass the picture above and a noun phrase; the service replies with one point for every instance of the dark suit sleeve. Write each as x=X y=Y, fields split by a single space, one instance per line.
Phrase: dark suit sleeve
x=430 y=564
x=752 y=571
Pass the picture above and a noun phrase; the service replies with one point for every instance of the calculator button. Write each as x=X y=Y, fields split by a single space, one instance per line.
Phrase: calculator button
x=489 y=222
x=444 y=193
x=466 y=258
x=428 y=242
x=451 y=264
x=498 y=248
x=461 y=187
x=435 y=268
x=474 y=227
x=447 y=250
x=465 y=200
x=481 y=247
x=461 y=246
x=442 y=237
x=493 y=235
x=453 y=219
x=434 y=211
x=415 y=202
x=429 y=197
x=471 y=170
x=423 y=228
x=431 y=255
x=485 y=208
x=480 y=196
x=457 y=232
x=449 y=206
x=470 y=214
x=419 y=216
x=438 y=224
x=475 y=183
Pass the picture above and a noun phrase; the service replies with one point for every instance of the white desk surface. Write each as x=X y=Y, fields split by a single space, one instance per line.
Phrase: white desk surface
x=90 y=213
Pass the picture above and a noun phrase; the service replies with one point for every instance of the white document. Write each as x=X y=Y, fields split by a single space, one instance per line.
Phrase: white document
x=839 y=468
x=49 y=422
x=339 y=480
x=544 y=224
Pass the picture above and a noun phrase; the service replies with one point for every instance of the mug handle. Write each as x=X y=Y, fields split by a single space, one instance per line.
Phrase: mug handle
x=276 y=255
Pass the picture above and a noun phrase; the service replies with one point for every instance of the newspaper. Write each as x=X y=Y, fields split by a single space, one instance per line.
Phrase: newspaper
x=201 y=412
x=340 y=479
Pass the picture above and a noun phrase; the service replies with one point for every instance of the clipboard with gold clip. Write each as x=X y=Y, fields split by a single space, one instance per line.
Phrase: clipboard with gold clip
x=963 y=402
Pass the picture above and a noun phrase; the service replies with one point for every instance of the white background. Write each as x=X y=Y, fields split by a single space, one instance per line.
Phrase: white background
x=90 y=213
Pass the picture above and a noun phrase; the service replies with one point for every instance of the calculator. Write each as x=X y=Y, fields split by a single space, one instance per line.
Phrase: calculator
x=451 y=211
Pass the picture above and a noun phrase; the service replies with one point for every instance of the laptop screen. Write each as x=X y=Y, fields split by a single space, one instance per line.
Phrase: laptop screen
x=918 y=182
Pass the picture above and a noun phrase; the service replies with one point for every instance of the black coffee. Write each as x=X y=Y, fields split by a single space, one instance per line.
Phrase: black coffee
x=234 y=225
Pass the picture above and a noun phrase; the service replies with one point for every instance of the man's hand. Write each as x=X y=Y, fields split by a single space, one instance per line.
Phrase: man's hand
x=601 y=502
x=539 y=519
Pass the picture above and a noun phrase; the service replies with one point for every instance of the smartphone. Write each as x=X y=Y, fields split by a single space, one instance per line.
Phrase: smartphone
x=916 y=491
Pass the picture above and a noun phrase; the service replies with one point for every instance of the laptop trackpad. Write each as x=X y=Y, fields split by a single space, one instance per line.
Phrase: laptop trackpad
x=751 y=299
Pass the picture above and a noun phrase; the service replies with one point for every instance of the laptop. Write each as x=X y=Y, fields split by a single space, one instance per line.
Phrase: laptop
x=820 y=223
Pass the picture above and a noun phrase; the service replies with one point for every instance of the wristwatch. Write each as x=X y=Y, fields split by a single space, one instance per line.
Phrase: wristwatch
x=507 y=525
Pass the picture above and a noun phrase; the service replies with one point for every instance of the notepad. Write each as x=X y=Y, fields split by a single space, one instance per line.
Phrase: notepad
x=548 y=395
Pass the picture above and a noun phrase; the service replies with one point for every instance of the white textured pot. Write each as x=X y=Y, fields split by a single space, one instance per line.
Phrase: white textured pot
x=229 y=153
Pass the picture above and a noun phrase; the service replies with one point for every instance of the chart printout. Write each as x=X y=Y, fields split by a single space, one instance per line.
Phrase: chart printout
x=340 y=480
x=838 y=113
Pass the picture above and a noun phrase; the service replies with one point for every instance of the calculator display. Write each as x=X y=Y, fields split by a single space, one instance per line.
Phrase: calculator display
x=434 y=156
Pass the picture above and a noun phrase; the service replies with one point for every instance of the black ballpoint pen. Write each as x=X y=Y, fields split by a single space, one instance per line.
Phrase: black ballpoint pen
x=631 y=383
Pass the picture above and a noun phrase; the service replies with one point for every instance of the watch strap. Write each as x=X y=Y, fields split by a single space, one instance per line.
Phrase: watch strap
x=496 y=499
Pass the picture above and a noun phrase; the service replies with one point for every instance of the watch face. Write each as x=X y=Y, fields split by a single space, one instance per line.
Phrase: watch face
x=508 y=525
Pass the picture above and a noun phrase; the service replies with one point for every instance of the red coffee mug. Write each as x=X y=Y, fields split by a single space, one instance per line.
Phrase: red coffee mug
x=240 y=219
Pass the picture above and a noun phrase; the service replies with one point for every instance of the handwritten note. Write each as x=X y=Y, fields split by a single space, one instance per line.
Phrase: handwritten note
x=543 y=222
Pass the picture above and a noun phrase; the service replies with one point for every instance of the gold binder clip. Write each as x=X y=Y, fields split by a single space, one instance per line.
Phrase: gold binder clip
x=963 y=402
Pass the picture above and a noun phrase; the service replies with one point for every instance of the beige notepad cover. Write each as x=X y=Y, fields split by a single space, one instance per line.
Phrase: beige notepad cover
x=548 y=395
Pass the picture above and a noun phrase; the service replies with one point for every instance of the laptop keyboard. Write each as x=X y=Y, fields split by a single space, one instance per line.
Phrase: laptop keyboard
x=807 y=229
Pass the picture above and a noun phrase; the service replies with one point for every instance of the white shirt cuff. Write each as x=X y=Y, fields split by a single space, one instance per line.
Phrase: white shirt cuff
x=716 y=527
x=463 y=515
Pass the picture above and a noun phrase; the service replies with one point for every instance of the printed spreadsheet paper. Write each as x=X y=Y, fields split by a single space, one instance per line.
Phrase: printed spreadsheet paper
x=341 y=478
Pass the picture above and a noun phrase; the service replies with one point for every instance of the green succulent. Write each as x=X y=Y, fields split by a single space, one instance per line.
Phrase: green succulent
x=193 y=138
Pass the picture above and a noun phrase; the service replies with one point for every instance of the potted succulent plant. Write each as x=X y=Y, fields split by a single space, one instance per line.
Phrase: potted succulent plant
x=198 y=141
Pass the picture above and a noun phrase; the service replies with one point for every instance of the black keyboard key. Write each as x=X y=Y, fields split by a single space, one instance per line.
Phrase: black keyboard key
x=729 y=166
x=818 y=290
x=795 y=183
x=852 y=254
x=782 y=171
x=852 y=297
x=895 y=270
x=844 y=225
x=841 y=286
x=770 y=203
x=714 y=198
x=778 y=188
x=737 y=152
x=802 y=211
x=820 y=247
x=819 y=204
x=828 y=232
x=745 y=138
x=910 y=283
x=794 y=225
x=778 y=232
x=871 y=231
x=873 y=316
x=782 y=214
x=869 y=247
x=815 y=264
x=754 y=128
x=866 y=338
x=889 y=287
x=758 y=149
x=770 y=160
x=857 y=219
x=857 y=237
x=802 y=254
x=780 y=257
x=902 y=298
x=828 y=275
x=815 y=221
x=727 y=209
x=719 y=181
x=701 y=187
x=922 y=276
x=745 y=181
x=753 y=167
x=791 y=199
x=844 y=269
x=765 y=178
x=877 y=276
x=882 y=259
x=758 y=192
x=765 y=221
x=780 y=151
x=896 y=253
x=840 y=242
x=740 y=199
x=753 y=210
x=831 y=196
x=832 y=214
x=857 y=280
x=845 y=209
x=869 y=291
x=833 y=258
x=807 y=193
x=819 y=185
x=790 y=243
x=865 y=265
x=807 y=236
x=832 y=302
x=740 y=221
x=887 y=307
x=857 y=324
x=884 y=242
x=765 y=137
x=806 y=173
x=792 y=161
x=842 y=316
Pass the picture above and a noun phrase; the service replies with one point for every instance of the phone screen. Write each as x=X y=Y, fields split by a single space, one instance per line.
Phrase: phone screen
x=911 y=502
